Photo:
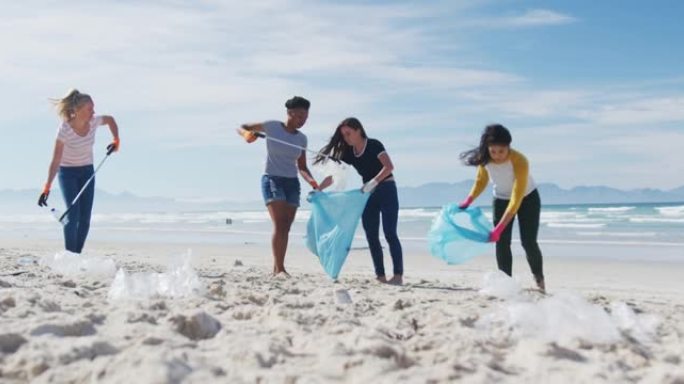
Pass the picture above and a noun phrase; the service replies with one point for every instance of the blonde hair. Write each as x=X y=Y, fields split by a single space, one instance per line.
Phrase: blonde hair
x=66 y=106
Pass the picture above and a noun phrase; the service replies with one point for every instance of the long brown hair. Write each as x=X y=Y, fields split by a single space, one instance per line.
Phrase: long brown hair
x=337 y=146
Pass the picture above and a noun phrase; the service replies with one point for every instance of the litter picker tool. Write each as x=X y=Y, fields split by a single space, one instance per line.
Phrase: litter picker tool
x=264 y=136
x=63 y=218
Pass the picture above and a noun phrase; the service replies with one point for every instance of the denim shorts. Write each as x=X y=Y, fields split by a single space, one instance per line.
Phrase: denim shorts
x=275 y=188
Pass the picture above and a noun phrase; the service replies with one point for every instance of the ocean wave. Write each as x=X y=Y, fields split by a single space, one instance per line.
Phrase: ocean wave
x=613 y=242
x=617 y=234
x=562 y=214
x=179 y=218
x=27 y=219
x=146 y=218
x=674 y=211
x=418 y=213
x=656 y=220
x=573 y=220
x=573 y=217
x=253 y=221
x=575 y=225
x=611 y=209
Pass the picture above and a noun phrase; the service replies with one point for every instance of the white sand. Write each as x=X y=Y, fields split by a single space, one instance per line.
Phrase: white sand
x=247 y=327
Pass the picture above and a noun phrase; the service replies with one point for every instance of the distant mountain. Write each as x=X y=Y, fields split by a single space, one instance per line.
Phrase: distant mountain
x=552 y=194
x=426 y=195
x=437 y=194
x=678 y=190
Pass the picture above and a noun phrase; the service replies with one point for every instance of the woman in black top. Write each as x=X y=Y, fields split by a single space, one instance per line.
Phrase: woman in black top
x=368 y=156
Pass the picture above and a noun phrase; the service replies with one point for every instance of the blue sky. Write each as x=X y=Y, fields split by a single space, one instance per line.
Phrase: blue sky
x=593 y=92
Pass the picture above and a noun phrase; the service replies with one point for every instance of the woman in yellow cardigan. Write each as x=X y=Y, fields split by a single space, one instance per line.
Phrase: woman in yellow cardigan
x=515 y=194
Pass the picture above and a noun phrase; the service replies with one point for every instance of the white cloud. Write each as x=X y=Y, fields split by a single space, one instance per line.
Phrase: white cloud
x=167 y=57
x=525 y=102
x=643 y=111
x=179 y=75
x=539 y=17
x=529 y=19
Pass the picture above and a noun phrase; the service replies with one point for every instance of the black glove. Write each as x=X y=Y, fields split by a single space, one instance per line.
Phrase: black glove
x=42 y=200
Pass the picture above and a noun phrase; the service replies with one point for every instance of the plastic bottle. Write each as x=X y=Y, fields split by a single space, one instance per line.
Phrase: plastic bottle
x=57 y=214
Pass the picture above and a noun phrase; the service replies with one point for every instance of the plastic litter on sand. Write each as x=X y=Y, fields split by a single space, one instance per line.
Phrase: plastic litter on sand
x=179 y=280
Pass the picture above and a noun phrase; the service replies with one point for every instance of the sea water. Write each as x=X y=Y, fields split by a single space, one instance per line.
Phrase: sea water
x=616 y=231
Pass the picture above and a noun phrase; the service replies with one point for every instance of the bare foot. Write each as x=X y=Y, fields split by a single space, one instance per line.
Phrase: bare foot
x=396 y=280
x=280 y=275
x=381 y=279
x=540 y=284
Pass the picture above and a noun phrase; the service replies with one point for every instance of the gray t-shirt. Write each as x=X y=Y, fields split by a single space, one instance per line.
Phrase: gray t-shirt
x=281 y=159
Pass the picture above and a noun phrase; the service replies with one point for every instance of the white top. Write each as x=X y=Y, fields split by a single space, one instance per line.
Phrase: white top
x=78 y=150
x=503 y=178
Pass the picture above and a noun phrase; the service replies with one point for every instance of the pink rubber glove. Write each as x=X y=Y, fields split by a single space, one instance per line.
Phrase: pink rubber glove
x=466 y=203
x=496 y=233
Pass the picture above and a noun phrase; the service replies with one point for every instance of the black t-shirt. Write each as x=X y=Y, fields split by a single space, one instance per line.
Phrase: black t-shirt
x=367 y=164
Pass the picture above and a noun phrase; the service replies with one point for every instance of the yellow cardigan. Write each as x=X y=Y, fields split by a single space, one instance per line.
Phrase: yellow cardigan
x=521 y=171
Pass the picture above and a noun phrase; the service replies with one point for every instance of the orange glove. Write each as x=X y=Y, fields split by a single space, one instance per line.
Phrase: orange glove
x=249 y=136
x=114 y=146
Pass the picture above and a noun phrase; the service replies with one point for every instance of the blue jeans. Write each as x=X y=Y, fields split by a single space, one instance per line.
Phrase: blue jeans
x=274 y=188
x=385 y=201
x=71 y=180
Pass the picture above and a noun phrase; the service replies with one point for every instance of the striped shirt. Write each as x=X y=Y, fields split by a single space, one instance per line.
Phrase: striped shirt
x=78 y=150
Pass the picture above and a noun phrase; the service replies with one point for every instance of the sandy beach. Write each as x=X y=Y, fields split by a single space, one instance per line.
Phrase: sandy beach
x=242 y=326
x=174 y=146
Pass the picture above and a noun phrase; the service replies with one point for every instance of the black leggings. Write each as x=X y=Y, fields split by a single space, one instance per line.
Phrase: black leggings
x=528 y=217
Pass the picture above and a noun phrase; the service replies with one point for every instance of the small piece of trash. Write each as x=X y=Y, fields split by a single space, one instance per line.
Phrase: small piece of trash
x=27 y=260
x=342 y=296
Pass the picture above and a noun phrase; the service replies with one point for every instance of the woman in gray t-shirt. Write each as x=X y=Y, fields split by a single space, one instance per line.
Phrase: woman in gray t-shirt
x=279 y=184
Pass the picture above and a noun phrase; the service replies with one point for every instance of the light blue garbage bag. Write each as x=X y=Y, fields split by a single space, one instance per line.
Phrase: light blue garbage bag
x=331 y=227
x=457 y=235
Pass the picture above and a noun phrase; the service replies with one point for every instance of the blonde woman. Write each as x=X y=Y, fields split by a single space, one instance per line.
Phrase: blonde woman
x=72 y=158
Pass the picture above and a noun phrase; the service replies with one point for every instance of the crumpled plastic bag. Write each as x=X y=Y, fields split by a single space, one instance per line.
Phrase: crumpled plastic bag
x=179 y=280
x=73 y=264
x=331 y=227
x=457 y=235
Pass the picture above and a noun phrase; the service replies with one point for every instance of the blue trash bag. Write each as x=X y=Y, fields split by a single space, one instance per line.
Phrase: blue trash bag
x=331 y=227
x=457 y=235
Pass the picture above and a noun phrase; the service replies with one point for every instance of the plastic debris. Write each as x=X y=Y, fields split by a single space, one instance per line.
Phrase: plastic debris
x=457 y=235
x=331 y=227
x=180 y=280
x=72 y=264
